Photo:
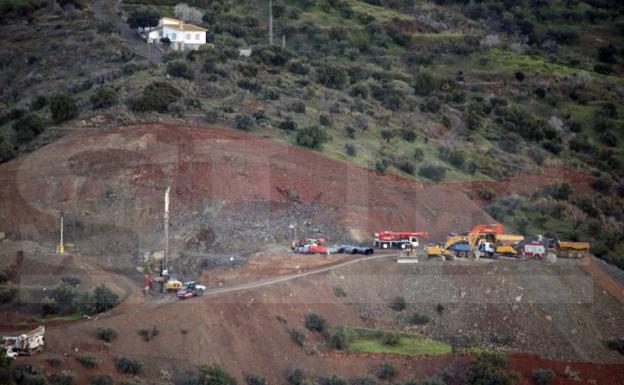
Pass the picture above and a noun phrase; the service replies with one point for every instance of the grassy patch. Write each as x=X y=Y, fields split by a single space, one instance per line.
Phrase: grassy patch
x=371 y=341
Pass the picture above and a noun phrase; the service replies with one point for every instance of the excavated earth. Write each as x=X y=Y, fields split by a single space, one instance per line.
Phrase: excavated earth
x=232 y=193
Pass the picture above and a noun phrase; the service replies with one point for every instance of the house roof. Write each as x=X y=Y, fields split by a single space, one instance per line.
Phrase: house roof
x=181 y=25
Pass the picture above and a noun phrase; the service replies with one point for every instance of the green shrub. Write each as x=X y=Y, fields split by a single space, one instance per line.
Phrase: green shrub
x=70 y=280
x=325 y=120
x=604 y=184
x=339 y=292
x=106 y=334
x=616 y=345
x=543 y=376
x=338 y=338
x=38 y=102
x=127 y=365
x=425 y=84
x=419 y=319
x=315 y=322
x=405 y=165
x=432 y=171
x=380 y=167
x=103 y=97
x=298 y=67
x=176 y=109
x=288 y=125
x=296 y=377
x=440 y=308
x=104 y=298
x=391 y=339
x=256 y=380
x=350 y=149
x=63 y=378
x=215 y=375
x=54 y=361
x=149 y=334
x=298 y=107
x=244 y=122
x=63 y=108
x=312 y=137
x=609 y=138
x=64 y=296
x=143 y=17
x=104 y=379
x=486 y=194
x=603 y=69
x=387 y=371
x=408 y=135
x=419 y=154
x=272 y=55
x=331 y=75
x=333 y=380
x=298 y=336
x=248 y=70
x=398 y=303
x=211 y=116
x=155 y=97
x=489 y=368
x=28 y=127
x=359 y=90
x=559 y=190
x=87 y=361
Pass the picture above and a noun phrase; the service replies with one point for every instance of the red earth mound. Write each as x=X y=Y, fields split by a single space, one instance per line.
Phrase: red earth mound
x=110 y=185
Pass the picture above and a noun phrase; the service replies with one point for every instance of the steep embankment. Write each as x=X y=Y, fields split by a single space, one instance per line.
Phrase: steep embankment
x=227 y=186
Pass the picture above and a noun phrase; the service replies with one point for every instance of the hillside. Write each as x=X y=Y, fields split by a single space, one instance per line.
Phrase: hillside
x=363 y=115
x=435 y=91
x=232 y=193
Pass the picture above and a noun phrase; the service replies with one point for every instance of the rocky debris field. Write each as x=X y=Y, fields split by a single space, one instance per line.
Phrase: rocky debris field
x=555 y=311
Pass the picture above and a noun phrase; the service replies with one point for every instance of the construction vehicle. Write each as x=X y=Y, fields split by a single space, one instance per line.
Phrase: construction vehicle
x=310 y=246
x=540 y=247
x=171 y=283
x=25 y=344
x=191 y=289
x=502 y=245
x=398 y=240
x=465 y=245
x=567 y=249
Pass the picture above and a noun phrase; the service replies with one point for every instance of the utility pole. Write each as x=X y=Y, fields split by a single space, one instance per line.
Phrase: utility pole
x=166 y=228
x=270 y=22
x=60 y=249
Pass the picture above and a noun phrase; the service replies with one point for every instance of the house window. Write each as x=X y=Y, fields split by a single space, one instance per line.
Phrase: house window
x=188 y=36
x=196 y=36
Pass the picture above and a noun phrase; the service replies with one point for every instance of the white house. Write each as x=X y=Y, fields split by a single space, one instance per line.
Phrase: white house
x=182 y=35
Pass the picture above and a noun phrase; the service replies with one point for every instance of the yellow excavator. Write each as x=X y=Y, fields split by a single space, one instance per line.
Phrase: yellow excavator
x=482 y=240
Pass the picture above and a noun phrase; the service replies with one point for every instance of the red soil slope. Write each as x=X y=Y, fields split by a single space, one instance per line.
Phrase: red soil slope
x=111 y=186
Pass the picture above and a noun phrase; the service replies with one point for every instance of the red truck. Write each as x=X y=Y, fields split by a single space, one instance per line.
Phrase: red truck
x=398 y=240
x=310 y=246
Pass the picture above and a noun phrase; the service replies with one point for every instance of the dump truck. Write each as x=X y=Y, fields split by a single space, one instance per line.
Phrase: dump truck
x=540 y=246
x=567 y=249
x=398 y=240
x=25 y=344
x=310 y=246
